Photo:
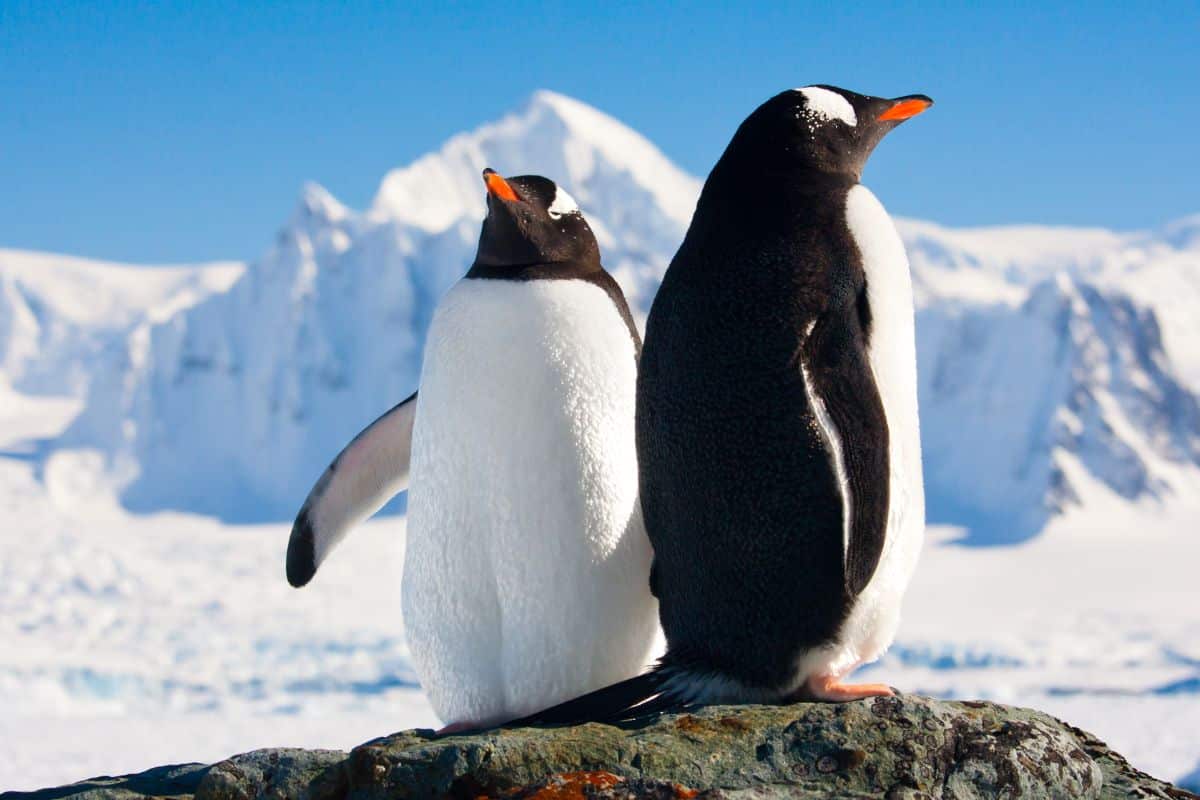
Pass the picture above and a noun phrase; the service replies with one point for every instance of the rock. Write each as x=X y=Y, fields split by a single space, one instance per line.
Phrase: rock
x=287 y=772
x=902 y=748
x=175 y=780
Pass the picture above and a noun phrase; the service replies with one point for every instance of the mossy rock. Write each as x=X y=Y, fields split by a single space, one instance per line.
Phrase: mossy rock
x=901 y=748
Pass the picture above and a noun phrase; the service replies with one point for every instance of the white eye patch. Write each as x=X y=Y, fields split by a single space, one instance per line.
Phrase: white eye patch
x=563 y=204
x=827 y=105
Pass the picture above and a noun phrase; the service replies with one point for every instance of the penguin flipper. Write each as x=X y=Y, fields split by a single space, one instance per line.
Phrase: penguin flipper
x=368 y=472
x=631 y=698
x=850 y=412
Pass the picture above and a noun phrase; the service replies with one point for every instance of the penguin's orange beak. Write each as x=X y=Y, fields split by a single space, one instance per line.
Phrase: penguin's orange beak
x=498 y=187
x=906 y=107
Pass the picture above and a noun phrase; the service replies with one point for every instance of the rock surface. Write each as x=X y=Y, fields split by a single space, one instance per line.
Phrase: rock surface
x=902 y=748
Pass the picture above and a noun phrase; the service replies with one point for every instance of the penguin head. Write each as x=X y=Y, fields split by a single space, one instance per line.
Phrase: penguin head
x=823 y=128
x=531 y=220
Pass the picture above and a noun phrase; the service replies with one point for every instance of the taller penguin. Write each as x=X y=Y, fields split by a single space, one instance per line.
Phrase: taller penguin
x=777 y=420
x=526 y=560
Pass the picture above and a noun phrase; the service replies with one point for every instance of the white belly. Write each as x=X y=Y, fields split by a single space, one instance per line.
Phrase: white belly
x=871 y=625
x=526 y=569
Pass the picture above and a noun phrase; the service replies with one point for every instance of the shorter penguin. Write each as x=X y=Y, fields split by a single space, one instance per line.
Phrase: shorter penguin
x=526 y=560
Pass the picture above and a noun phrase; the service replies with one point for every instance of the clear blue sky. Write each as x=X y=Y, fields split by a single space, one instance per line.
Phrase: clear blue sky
x=182 y=131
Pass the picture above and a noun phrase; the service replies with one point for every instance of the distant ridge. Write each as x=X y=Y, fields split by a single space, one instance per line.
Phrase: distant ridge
x=1058 y=365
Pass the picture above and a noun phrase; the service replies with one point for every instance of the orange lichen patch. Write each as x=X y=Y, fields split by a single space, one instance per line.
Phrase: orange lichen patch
x=594 y=785
x=734 y=724
x=575 y=785
x=698 y=725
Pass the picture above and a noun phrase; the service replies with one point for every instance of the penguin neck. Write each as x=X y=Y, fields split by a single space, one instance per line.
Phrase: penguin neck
x=584 y=269
x=752 y=202
x=775 y=183
x=546 y=270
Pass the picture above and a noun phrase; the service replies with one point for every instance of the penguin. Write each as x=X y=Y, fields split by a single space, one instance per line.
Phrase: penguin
x=777 y=429
x=526 y=563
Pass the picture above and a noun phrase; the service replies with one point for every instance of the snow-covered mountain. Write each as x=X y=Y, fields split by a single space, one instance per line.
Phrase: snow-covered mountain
x=1158 y=269
x=1058 y=367
x=58 y=314
x=1056 y=363
x=234 y=407
x=1029 y=409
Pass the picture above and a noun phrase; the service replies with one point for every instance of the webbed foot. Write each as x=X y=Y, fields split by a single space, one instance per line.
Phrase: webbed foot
x=830 y=689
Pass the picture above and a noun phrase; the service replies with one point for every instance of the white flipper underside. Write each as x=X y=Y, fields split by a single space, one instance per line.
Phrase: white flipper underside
x=371 y=470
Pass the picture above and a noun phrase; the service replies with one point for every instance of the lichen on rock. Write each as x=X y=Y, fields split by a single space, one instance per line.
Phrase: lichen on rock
x=897 y=748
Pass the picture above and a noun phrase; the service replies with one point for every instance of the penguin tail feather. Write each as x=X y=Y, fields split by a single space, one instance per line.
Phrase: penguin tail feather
x=626 y=701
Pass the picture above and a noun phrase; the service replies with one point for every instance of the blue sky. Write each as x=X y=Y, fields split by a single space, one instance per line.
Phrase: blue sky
x=183 y=131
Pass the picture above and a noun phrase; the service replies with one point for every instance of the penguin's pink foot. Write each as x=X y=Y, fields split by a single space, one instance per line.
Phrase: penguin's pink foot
x=830 y=689
x=458 y=727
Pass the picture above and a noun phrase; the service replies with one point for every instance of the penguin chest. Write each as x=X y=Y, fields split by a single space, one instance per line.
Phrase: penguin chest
x=523 y=531
x=892 y=355
x=527 y=394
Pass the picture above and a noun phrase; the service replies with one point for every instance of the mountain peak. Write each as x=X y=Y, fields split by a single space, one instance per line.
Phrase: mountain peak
x=558 y=103
x=562 y=138
x=316 y=204
x=1182 y=233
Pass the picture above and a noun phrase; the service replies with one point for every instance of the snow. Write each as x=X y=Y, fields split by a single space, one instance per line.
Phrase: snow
x=137 y=640
x=1059 y=377
x=58 y=313
x=108 y=294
